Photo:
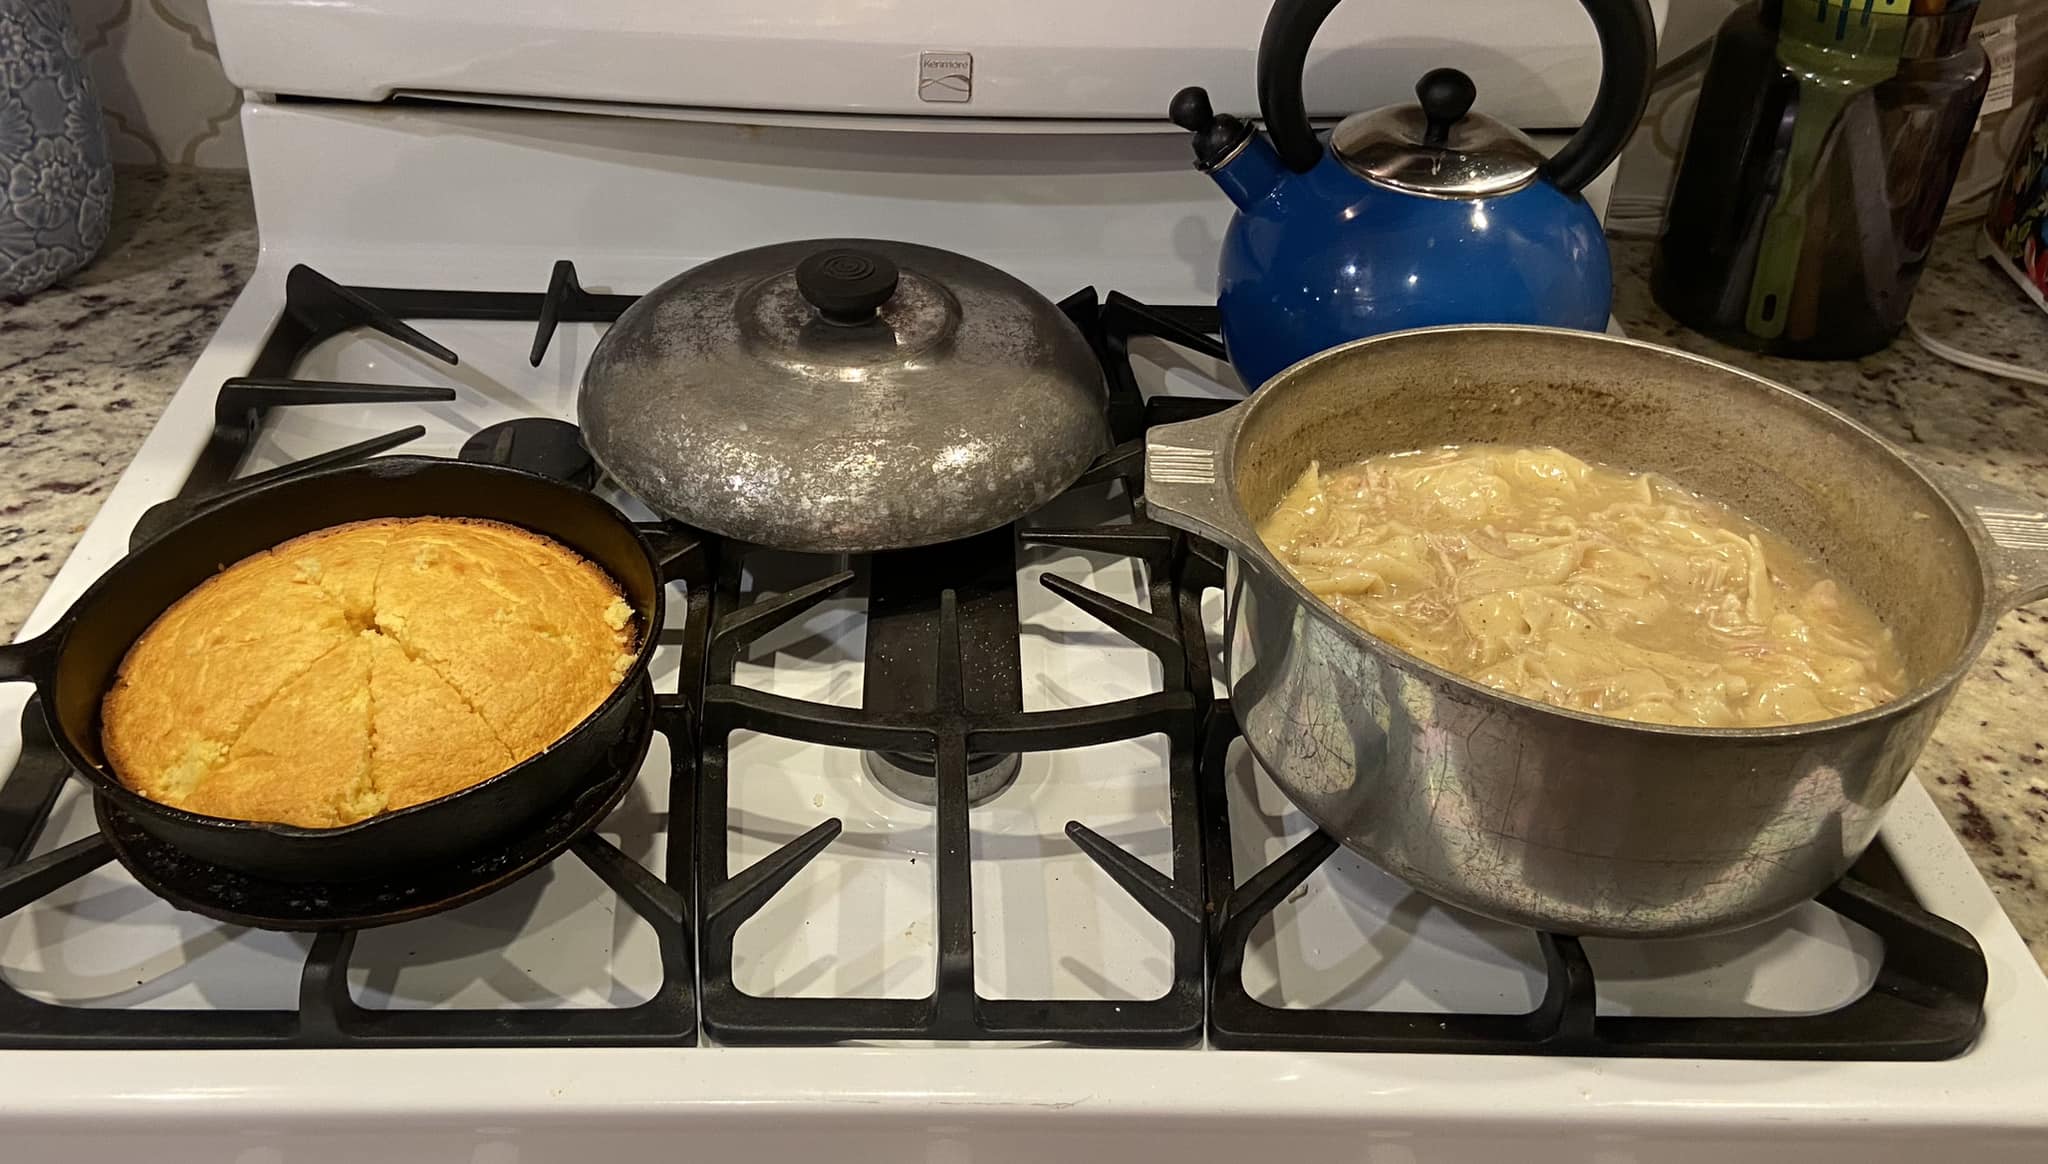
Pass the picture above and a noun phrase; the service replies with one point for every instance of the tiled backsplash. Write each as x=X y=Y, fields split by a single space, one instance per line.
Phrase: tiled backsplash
x=159 y=81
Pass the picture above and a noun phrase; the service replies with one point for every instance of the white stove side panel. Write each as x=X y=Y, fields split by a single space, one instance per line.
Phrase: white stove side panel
x=489 y=198
x=1534 y=60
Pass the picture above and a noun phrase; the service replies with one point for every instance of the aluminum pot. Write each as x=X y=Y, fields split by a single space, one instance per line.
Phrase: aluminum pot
x=1543 y=817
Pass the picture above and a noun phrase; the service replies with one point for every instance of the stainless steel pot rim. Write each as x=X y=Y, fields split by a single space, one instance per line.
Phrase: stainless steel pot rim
x=1931 y=687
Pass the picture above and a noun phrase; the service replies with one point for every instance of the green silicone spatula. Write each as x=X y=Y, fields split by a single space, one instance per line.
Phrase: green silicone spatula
x=1836 y=49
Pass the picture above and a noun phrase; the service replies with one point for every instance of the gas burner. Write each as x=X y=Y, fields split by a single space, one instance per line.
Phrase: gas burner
x=916 y=778
x=241 y=899
x=905 y=588
x=538 y=444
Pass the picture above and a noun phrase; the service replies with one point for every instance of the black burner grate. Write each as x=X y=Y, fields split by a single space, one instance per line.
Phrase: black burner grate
x=1926 y=1003
x=949 y=615
x=326 y=1016
x=316 y=309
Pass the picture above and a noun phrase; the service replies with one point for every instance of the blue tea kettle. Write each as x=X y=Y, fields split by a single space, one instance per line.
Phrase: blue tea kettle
x=1413 y=215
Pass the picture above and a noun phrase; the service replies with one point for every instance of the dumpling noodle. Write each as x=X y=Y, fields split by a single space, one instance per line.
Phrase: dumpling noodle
x=1622 y=594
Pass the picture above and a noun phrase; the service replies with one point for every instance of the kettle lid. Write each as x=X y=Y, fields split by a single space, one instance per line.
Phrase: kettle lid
x=1438 y=147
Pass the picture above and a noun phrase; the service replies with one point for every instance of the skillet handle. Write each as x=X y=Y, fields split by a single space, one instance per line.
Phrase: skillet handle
x=1187 y=479
x=20 y=662
x=2012 y=529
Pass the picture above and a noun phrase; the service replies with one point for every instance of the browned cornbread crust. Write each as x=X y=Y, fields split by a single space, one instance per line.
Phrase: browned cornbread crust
x=365 y=668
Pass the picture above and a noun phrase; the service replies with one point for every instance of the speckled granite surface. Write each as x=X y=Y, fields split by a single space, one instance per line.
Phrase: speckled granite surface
x=1988 y=763
x=85 y=368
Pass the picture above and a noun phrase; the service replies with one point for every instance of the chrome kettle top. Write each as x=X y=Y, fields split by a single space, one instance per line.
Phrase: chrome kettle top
x=1437 y=147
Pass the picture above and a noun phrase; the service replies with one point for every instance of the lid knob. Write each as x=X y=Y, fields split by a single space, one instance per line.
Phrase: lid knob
x=845 y=284
x=1446 y=96
x=1216 y=137
x=1190 y=109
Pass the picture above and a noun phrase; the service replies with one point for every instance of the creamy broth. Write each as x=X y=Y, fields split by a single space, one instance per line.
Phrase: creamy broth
x=1583 y=586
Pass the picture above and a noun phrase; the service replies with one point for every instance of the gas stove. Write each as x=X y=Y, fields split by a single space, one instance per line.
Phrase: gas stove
x=946 y=855
x=1030 y=712
x=982 y=793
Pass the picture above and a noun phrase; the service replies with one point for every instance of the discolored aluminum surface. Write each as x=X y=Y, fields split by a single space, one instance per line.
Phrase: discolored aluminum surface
x=722 y=398
x=1533 y=814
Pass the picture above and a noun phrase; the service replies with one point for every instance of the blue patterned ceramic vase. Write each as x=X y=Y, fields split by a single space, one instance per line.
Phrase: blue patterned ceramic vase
x=56 y=184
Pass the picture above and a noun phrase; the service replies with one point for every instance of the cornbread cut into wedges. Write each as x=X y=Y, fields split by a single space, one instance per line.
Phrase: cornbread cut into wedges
x=363 y=669
x=481 y=606
x=428 y=742
x=305 y=756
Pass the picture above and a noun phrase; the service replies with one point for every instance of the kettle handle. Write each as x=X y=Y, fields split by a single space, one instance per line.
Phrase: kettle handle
x=1628 y=51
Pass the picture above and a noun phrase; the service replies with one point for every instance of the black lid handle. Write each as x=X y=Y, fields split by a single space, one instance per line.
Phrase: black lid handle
x=1216 y=137
x=1628 y=51
x=1190 y=109
x=1446 y=96
x=845 y=284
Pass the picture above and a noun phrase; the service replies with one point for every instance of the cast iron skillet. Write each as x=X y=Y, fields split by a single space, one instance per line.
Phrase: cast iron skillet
x=74 y=662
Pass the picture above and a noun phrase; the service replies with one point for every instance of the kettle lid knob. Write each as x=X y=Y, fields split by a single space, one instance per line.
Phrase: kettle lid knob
x=1190 y=109
x=1217 y=138
x=1446 y=96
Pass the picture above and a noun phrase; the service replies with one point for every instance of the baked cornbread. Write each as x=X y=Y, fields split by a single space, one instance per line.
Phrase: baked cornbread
x=365 y=668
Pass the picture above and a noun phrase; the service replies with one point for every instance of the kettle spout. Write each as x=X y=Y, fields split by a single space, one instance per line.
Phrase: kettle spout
x=1238 y=157
x=1250 y=172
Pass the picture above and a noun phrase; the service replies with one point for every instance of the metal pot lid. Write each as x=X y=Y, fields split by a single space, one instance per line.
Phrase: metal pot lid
x=844 y=395
x=1438 y=148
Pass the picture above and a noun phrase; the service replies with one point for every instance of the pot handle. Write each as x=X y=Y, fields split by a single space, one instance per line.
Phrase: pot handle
x=2014 y=528
x=20 y=661
x=1628 y=52
x=1184 y=479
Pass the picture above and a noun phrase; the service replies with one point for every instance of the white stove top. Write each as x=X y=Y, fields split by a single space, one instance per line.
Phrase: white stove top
x=857 y=921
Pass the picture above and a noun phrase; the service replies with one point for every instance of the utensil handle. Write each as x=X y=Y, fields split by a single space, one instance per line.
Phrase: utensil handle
x=20 y=661
x=1186 y=479
x=2015 y=529
x=1784 y=238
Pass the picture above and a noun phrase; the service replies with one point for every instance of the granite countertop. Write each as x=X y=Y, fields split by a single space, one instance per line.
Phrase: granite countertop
x=86 y=367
